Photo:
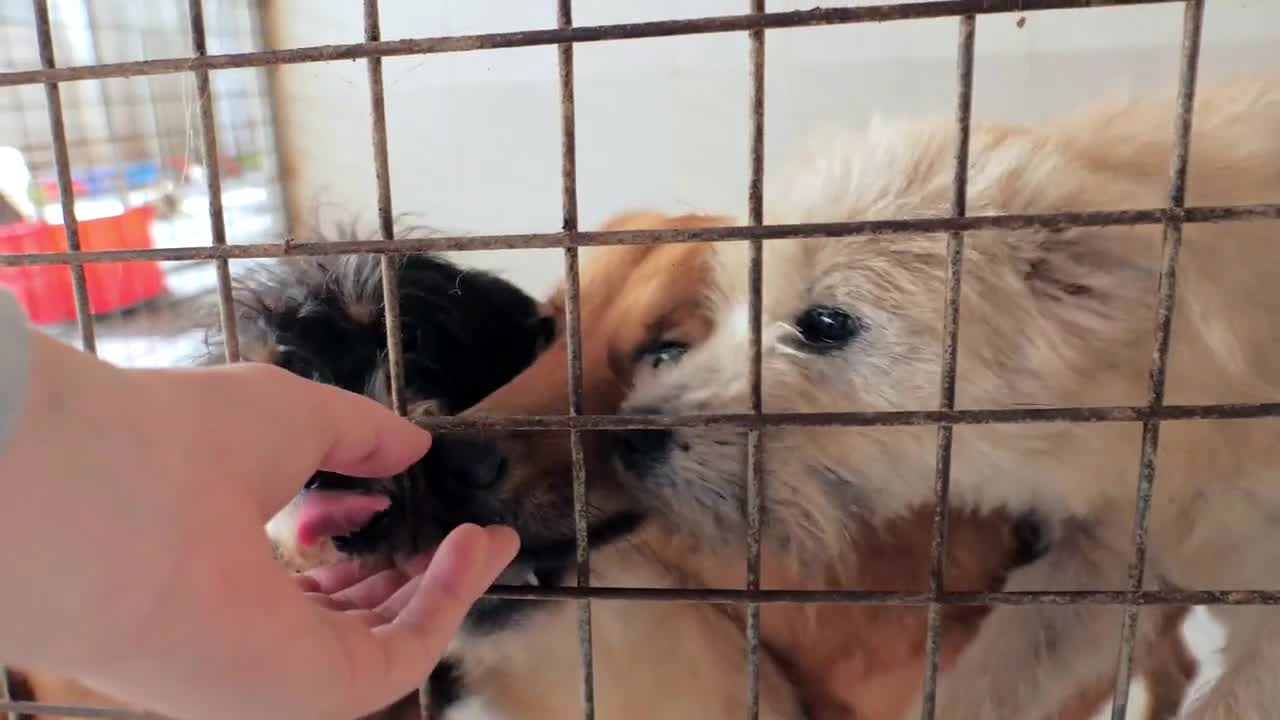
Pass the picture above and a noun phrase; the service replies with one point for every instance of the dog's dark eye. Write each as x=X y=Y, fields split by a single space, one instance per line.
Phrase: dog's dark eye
x=658 y=354
x=826 y=328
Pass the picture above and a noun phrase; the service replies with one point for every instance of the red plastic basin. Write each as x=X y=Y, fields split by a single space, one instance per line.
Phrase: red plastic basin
x=44 y=291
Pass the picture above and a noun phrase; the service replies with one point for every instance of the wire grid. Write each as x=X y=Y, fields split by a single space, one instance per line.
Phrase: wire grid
x=134 y=138
x=1173 y=217
x=131 y=117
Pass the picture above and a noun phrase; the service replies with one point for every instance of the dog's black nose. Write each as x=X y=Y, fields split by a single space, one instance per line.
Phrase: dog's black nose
x=1032 y=538
x=639 y=450
x=467 y=464
x=646 y=443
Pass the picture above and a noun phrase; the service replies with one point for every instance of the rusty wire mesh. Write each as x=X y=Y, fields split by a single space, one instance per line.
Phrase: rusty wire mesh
x=1173 y=216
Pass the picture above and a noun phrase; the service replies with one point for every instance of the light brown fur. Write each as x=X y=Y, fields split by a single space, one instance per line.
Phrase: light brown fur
x=670 y=660
x=1047 y=319
x=847 y=661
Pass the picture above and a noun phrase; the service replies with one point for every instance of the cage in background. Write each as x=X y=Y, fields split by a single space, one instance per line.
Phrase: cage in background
x=201 y=59
x=138 y=164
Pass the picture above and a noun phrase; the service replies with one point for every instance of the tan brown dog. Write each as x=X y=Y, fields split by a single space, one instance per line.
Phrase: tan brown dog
x=642 y=307
x=1048 y=318
x=670 y=660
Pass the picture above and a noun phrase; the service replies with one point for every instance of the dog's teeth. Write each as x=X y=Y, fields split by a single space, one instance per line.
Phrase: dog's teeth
x=531 y=579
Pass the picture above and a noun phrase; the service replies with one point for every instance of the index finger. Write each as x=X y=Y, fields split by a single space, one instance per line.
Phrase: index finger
x=325 y=428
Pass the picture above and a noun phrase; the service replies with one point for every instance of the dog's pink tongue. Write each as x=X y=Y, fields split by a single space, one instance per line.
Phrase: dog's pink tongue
x=323 y=514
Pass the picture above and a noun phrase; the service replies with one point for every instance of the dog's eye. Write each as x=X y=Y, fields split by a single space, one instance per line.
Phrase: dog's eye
x=826 y=328
x=655 y=356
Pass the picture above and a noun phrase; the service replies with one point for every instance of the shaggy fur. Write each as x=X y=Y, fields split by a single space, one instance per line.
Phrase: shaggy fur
x=642 y=307
x=519 y=659
x=1047 y=318
x=463 y=334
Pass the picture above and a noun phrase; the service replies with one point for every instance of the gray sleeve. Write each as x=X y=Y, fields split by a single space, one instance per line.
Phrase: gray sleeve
x=15 y=364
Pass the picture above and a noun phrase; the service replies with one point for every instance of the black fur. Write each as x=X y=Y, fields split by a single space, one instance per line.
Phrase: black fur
x=444 y=687
x=464 y=333
x=19 y=691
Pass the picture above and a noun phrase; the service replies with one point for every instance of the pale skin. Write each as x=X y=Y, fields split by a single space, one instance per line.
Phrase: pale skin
x=134 y=555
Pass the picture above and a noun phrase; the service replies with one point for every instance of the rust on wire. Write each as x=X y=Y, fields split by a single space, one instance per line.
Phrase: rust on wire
x=573 y=334
x=755 y=310
x=724 y=596
x=529 y=241
x=1192 y=25
x=950 y=347
x=886 y=418
x=388 y=267
x=1173 y=217
x=66 y=194
x=213 y=173
x=386 y=223
x=556 y=36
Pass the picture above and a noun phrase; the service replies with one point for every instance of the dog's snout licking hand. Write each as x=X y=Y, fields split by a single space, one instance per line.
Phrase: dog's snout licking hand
x=398 y=518
x=325 y=514
x=467 y=465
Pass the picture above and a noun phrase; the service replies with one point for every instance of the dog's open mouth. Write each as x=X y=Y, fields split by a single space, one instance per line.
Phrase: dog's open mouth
x=357 y=520
x=338 y=515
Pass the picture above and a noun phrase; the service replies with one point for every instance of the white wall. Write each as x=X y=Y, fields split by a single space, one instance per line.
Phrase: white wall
x=662 y=123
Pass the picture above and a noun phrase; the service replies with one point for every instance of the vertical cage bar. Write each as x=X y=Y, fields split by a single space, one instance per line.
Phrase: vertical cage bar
x=1193 y=22
x=386 y=223
x=755 y=311
x=950 y=346
x=217 y=223
x=573 y=332
x=62 y=163
x=386 y=230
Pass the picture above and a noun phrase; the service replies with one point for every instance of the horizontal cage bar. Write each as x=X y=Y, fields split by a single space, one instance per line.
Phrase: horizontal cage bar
x=527 y=241
x=889 y=418
x=557 y=36
x=873 y=597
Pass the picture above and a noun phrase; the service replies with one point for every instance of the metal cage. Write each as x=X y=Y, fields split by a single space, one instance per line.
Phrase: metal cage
x=1173 y=216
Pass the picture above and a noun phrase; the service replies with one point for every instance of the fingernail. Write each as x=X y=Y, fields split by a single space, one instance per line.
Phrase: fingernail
x=504 y=532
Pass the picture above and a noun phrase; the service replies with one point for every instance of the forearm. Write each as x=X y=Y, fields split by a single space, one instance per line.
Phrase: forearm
x=54 y=451
x=52 y=399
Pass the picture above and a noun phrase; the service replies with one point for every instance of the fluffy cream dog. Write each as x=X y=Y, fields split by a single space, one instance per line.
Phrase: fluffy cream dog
x=1048 y=318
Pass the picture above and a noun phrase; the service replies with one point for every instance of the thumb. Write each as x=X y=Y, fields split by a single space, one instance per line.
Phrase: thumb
x=322 y=427
x=392 y=660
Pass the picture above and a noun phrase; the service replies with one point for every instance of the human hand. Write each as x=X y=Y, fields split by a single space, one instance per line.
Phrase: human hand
x=135 y=557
